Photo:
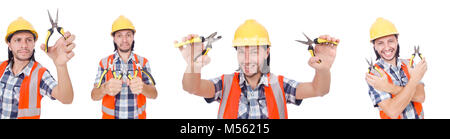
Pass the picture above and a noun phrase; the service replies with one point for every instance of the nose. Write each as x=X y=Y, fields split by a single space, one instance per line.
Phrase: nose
x=124 y=39
x=23 y=44
x=247 y=55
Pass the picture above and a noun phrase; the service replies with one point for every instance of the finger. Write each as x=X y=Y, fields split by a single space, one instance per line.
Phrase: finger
x=338 y=40
x=69 y=47
x=206 y=60
x=137 y=80
x=328 y=38
x=369 y=76
x=70 y=39
x=194 y=36
x=43 y=47
x=314 y=59
x=190 y=36
x=70 y=55
x=323 y=37
x=181 y=49
x=67 y=34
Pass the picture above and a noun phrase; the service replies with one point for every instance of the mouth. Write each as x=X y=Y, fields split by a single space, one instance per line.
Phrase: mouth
x=249 y=67
x=388 y=54
x=23 y=52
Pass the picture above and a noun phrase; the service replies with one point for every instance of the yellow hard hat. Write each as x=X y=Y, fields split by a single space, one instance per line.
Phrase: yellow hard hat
x=251 y=33
x=18 y=25
x=122 y=23
x=382 y=27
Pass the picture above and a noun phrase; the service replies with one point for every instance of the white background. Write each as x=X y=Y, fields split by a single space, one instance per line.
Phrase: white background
x=159 y=23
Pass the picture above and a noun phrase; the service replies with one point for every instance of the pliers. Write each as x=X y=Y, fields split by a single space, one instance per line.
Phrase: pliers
x=416 y=51
x=110 y=68
x=139 y=68
x=210 y=39
x=371 y=66
x=316 y=41
x=54 y=26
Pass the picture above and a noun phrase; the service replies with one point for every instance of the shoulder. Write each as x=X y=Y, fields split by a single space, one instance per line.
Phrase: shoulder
x=39 y=66
x=141 y=59
x=405 y=61
x=104 y=60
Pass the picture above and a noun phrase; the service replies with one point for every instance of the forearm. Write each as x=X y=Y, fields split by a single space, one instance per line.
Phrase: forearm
x=395 y=106
x=64 y=90
x=97 y=93
x=419 y=94
x=321 y=82
x=149 y=91
x=191 y=82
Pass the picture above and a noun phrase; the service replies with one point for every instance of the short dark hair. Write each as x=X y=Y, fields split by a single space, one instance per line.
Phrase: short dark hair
x=10 y=54
x=397 y=54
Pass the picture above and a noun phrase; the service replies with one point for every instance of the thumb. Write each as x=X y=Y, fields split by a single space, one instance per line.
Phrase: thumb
x=43 y=47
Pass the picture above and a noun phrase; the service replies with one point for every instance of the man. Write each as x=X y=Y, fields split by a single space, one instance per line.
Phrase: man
x=253 y=92
x=394 y=87
x=123 y=79
x=24 y=81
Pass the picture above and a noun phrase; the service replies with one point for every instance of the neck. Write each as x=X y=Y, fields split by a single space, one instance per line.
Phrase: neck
x=392 y=62
x=124 y=55
x=254 y=79
x=19 y=65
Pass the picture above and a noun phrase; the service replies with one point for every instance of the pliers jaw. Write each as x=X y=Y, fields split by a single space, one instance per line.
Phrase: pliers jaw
x=370 y=65
x=416 y=52
x=310 y=43
x=54 y=25
x=209 y=40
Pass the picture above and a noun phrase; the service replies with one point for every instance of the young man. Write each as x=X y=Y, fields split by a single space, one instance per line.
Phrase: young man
x=24 y=81
x=123 y=79
x=394 y=87
x=253 y=92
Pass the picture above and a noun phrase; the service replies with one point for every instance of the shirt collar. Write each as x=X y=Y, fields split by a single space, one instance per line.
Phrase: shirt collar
x=263 y=80
x=26 y=70
x=388 y=66
x=117 y=57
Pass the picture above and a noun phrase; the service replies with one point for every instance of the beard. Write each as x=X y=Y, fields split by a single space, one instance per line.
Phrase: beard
x=250 y=70
x=125 y=50
x=23 y=58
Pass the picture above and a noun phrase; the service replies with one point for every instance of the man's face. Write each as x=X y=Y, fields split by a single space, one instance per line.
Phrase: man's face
x=22 y=45
x=251 y=58
x=124 y=39
x=386 y=47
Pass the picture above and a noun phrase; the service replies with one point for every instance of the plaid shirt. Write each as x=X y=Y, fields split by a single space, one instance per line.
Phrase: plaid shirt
x=398 y=78
x=252 y=103
x=10 y=89
x=126 y=102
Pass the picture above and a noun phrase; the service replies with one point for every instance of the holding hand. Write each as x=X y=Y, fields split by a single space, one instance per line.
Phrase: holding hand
x=112 y=87
x=61 y=52
x=418 y=71
x=136 y=85
x=325 y=52
x=190 y=51
x=380 y=83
